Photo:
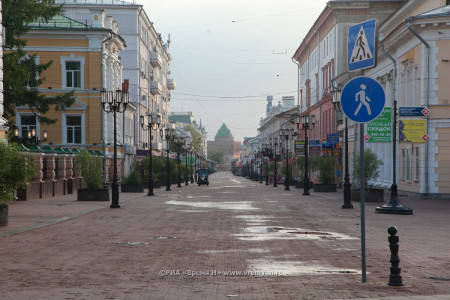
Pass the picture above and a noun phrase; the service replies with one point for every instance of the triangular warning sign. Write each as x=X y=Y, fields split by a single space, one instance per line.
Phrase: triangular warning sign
x=361 y=50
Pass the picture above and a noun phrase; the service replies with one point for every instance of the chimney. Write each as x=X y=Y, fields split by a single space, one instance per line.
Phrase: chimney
x=97 y=17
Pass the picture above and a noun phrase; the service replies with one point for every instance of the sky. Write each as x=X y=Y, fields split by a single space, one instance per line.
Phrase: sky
x=228 y=55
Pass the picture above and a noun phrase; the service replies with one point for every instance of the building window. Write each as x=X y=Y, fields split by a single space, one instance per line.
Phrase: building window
x=73 y=74
x=27 y=124
x=72 y=70
x=73 y=127
x=416 y=171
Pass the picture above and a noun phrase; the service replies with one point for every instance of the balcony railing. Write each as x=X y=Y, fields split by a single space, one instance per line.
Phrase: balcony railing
x=155 y=59
x=171 y=84
x=97 y=2
x=155 y=88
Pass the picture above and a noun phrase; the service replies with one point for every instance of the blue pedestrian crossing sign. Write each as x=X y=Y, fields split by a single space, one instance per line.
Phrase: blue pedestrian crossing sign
x=361 y=45
x=362 y=99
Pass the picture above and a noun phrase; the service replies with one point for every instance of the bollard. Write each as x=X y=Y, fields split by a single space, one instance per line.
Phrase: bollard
x=395 y=279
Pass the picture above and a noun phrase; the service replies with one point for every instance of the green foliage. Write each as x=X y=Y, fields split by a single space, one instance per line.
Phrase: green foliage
x=16 y=171
x=91 y=169
x=300 y=163
x=196 y=138
x=326 y=170
x=371 y=165
x=134 y=177
x=217 y=156
x=22 y=75
x=283 y=167
x=269 y=168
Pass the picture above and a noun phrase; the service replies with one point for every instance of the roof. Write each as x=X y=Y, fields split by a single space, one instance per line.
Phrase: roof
x=97 y=2
x=186 y=119
x=223 y=132
x=61 y=22
x=443 y=11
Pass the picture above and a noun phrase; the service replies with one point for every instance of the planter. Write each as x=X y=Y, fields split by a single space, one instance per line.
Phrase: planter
x=132 y=188
x=93 y=195
x=4 y=215
x=300 y=185
x=372 y=195
x=325 y=188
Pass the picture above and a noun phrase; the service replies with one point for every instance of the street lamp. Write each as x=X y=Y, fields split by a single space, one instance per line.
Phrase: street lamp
x=191 y=152
x=31 y=135
x=307 y=123
x=286 y=133
x=169 y=133
x=260 y=164
x=186 y=162
x=153 y=123
x=275 y=172
x=115 y=101
x=336 y=95
x=180 y=145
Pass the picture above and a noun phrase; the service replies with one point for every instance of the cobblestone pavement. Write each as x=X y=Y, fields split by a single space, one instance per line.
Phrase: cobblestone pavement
x=235 y=239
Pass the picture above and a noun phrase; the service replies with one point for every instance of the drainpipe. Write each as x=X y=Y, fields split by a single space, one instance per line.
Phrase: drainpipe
x=102 y=66
x=427 y=96
x=318 y=85
x=298 y=87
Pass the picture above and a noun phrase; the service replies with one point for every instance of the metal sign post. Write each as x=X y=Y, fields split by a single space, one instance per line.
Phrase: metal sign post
x=362 y=101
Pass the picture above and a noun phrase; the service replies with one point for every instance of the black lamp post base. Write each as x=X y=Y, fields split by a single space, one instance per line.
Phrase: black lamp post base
x=150 y=194
x=394 y=209
x=115 y=206
x=306 y=193
x=347 y=196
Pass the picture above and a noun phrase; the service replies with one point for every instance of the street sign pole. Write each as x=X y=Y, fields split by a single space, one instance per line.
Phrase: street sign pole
x=362 y=202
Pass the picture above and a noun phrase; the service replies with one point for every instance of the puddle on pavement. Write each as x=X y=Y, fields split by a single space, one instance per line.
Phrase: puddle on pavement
x=264 y=233
x=164 y=237
x=192 y=211
x=295 y=268
x=131 y=243
x=242 y=205
x=255 y=220
x=251 y=250
x=345 y=249
x=228 y=186
x=193 y=197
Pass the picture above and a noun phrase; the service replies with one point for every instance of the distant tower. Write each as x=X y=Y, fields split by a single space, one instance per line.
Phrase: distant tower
x=269 y=104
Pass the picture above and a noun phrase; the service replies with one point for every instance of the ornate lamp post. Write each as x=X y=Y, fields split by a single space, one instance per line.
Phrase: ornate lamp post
x=307 y=123
x=153 y=123
x=266 y=160
x=169 y=134
x=186 y=162
x=286 y=133
x=275 y=173
x=190 y=162
x=336 y=94
x=180 y=145
x=115 y=101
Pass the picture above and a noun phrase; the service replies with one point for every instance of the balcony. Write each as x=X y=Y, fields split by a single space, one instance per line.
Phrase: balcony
x=155 y=59
x=155 y=87
x=171 y=84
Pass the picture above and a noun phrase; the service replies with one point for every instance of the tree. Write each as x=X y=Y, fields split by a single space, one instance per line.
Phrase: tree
x=196 y=138
x=22 y=75
x=217 y=156
x=371 y=165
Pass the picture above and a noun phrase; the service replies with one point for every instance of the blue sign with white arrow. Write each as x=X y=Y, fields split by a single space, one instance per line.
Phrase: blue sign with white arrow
x=361 y=45
x=362 y=99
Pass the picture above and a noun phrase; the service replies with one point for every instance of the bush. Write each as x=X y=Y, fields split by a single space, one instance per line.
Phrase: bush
x=371 y=165
x=326 y=170
x=16 y=171
x=134 y=177
x=91 y=169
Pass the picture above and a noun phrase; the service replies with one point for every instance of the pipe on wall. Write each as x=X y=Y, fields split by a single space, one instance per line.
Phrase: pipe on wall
x=427 y=96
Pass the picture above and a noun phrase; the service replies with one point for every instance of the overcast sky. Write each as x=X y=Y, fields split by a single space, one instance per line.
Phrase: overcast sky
x=230 y=48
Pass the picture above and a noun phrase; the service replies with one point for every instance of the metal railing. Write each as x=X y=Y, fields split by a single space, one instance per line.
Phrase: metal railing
x=97 y=2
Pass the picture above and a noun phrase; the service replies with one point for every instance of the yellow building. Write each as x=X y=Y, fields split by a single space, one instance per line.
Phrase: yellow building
x=86 y=60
